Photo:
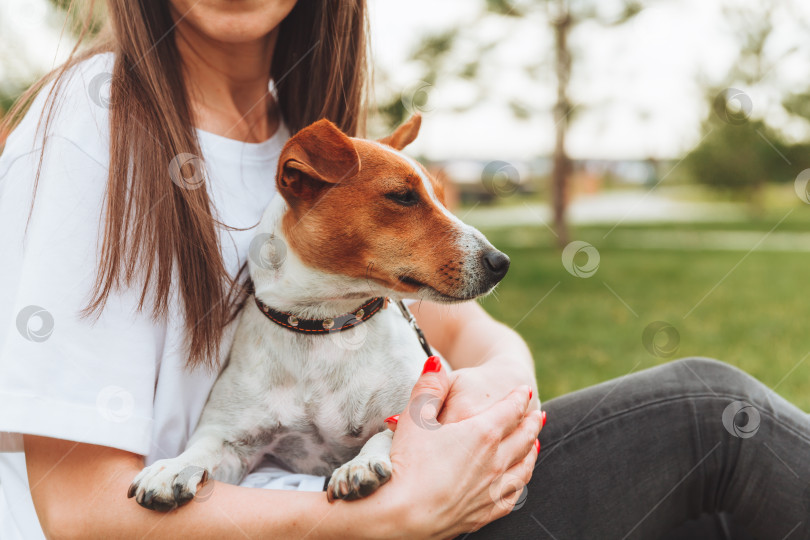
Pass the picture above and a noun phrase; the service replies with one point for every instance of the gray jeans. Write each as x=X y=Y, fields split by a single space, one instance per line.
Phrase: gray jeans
x=637 y=456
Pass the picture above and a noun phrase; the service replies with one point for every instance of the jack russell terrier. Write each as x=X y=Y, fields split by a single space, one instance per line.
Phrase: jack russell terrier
x=318 y=362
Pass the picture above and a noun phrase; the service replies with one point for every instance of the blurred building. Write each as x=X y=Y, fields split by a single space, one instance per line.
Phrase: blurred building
x=485 y=181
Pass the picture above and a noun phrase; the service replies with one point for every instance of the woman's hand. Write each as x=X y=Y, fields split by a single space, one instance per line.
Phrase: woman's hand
x=475 y=389
x=488 y=358
x=457 y=477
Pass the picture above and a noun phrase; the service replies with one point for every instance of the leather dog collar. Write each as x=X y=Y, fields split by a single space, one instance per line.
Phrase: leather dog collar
x=341 y=322
x=323 y=326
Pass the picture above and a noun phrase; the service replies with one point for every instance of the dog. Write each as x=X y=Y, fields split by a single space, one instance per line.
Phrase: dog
x=319 y=358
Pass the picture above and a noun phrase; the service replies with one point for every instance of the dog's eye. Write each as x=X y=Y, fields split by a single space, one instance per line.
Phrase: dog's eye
x=404 y=198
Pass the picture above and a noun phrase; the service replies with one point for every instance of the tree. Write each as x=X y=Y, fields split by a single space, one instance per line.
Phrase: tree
x=562 y=17
x=738 y=160
x=740 y=151
x=61 y=22
x=561 y=22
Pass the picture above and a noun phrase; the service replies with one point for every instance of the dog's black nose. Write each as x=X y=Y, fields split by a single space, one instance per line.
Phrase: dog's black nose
x=496 y=263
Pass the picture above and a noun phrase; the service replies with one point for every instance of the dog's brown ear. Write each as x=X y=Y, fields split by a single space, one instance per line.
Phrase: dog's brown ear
x=316 y=156
x=404 y=134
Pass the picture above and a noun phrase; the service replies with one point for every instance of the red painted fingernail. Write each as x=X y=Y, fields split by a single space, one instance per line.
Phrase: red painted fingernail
x=433 y=364
x=392 y=419
x=543 y=417
x=537 y=445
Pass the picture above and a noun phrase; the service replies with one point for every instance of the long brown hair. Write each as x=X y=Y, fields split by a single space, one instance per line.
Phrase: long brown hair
x=154 y=227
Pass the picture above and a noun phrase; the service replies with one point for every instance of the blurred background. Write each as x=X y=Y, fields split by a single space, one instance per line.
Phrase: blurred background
x=644 y=164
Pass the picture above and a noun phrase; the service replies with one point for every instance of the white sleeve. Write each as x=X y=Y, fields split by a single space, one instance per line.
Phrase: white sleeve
x=63 y=375
x=270 y=476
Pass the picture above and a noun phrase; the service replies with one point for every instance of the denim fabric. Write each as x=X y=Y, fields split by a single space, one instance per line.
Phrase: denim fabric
x=638 y=456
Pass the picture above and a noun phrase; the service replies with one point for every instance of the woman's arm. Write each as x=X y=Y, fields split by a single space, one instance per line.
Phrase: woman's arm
x=446 y=481
x=469 y=338
x=80 y=491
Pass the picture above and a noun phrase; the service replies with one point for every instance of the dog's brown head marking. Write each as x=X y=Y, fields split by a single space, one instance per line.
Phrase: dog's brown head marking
x=362 y=209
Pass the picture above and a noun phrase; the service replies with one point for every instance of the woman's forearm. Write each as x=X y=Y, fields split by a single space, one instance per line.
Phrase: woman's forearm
x=484 y=339
x=79 y=491
x=235 y=512
x=468 y=337
x=494 y=347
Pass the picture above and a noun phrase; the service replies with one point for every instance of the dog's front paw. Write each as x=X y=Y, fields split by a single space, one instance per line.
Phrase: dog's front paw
x=359 y=477
x=167 y=484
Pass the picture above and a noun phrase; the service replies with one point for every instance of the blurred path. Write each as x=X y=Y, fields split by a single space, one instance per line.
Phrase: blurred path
x=713 y=240
x=791 y=242
x=608 y=209
x=626 y=208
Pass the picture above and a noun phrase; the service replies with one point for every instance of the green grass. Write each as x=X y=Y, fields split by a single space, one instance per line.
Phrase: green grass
x=753 y=312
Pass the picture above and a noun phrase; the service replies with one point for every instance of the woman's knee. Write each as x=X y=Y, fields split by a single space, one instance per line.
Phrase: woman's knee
x=674 y=382
x=713 y=376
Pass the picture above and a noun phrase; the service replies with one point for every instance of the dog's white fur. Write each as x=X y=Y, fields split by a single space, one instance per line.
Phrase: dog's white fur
x=312 y=402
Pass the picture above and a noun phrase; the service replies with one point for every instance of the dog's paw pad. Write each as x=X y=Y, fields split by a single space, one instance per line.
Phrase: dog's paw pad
x=358 y=478
x=166 y=485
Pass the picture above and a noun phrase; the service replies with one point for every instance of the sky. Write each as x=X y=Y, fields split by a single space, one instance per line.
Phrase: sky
x=29 y=40
x=636 y=88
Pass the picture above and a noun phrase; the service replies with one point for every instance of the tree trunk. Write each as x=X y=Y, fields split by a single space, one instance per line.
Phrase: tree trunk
x=562 y=109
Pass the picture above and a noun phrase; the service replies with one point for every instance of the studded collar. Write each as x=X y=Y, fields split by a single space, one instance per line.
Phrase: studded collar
x=323 y=326
x=341 y=322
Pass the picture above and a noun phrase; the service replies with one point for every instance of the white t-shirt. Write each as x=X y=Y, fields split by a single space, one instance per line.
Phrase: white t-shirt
x=119 y=381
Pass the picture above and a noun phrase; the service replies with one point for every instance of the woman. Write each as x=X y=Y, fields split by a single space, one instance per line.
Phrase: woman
x=126 y=252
